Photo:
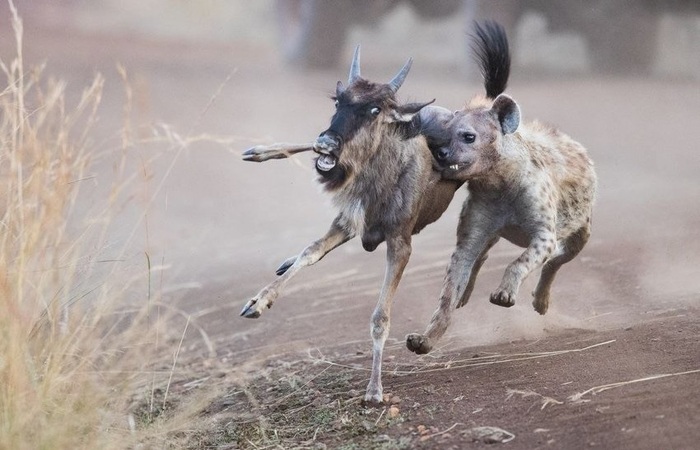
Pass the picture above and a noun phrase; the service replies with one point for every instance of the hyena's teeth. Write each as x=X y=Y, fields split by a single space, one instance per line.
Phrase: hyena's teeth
x=454 y=167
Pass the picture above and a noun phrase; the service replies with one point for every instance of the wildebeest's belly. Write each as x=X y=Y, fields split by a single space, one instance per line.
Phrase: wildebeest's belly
x=433 y=204
x=435 y=201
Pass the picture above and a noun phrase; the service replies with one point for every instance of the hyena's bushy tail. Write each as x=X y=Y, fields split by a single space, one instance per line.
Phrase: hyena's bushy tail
x=490 y=47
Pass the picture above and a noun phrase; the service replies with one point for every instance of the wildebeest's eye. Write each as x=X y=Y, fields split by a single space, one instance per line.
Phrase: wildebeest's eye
x=375 y=111
x=467 y=137
x=336 y=103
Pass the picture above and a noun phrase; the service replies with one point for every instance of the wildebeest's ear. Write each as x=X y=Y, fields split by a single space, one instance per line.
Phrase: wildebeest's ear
x=507 y=112
x=339 y=88
x=405 y=113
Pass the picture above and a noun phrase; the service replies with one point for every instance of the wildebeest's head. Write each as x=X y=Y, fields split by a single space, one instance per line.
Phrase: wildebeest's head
x=364 y=112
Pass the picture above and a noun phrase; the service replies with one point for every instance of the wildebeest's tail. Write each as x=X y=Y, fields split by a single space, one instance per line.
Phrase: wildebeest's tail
x=490 y=47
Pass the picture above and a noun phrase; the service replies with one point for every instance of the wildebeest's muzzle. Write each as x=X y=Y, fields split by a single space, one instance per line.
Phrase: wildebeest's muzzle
x=328 y=145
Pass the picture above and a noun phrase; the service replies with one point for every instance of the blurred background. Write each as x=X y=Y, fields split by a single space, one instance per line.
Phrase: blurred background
x=610 y=36
x=204 y=80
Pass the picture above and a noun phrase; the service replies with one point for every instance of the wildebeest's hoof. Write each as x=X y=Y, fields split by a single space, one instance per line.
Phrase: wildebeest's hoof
x=418 y=344
x=252 y=154
x=285 y=265
x=251 y=310
x=503 y=298
x=373 y=398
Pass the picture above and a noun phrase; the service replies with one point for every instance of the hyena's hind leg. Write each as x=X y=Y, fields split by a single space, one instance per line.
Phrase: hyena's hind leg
x=571 y=247
x=475 y=271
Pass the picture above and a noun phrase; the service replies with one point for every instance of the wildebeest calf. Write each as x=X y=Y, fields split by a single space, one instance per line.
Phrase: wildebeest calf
x=527 y=182
x=376 y=163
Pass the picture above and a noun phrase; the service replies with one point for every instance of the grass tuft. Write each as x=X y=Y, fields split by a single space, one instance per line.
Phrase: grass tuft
x=80 y=366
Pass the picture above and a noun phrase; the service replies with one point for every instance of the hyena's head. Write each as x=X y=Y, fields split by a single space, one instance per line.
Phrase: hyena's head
x=476 y=137
x=365 y=113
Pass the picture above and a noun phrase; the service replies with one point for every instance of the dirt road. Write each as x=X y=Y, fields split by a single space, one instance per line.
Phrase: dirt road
x=222 y=226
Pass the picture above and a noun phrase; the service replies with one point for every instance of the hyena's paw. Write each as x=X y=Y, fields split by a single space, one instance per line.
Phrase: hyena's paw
x=418 y=343
x=255 y=306
x=541 y=304
x=503 y=297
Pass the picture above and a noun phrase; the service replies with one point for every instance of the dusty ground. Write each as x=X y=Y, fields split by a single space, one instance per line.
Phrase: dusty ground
x=221 y=227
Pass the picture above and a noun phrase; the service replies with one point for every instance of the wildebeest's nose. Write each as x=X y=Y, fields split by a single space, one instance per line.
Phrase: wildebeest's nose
x=328 y=141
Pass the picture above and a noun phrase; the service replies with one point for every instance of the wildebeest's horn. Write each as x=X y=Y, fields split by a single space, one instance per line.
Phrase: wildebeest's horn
x=355 y=66
x=397 y=81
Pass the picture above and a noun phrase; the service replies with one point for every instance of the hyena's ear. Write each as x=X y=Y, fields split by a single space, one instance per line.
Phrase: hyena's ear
x=507 y=112
x=405 y=113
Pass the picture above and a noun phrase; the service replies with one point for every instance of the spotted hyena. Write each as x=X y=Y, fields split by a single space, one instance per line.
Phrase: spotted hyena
x=528 y=183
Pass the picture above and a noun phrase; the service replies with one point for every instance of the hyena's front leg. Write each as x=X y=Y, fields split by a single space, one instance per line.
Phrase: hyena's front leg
x=398 y=254
x=475 y=233
x=475 y=271
x=336 y=236
x=541 y=248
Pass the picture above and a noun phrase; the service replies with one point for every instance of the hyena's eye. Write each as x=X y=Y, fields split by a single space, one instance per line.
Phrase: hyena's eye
x=336 y=103
x=375 y=111
x=467 y=137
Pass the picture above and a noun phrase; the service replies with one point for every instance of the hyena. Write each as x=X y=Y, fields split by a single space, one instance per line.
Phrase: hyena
x=528 y=183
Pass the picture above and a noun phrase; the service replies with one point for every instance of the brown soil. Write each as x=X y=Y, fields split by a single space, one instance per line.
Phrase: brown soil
x=636 y=388
x=223 y=226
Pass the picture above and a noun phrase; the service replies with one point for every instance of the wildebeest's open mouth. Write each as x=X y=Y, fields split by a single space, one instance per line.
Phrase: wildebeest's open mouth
x=325 y=162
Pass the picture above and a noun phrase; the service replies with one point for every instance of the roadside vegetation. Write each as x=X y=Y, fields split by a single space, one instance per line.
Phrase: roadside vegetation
x=86 y=359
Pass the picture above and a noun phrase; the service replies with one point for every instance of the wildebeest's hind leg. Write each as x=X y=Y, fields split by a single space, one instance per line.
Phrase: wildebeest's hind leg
x=571 y=247
x=337 y=235
x=398 y=253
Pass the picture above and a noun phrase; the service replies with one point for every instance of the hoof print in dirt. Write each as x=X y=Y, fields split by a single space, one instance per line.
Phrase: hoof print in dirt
x=418 y=344
x=503 y=298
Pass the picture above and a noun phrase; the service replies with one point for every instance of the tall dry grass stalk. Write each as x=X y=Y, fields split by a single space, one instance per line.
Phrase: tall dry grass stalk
x=72 y=365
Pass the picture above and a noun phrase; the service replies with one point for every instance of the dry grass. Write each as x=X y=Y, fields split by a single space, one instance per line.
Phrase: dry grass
x=543 y=400
x=76 y=371
x=578 y=397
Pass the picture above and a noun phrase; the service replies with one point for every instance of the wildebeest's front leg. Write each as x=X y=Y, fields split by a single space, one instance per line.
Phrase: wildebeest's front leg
x=476 y=232
x=397 y=255
x=336 y=236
